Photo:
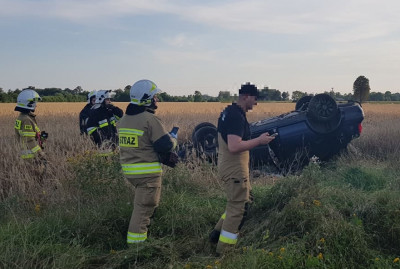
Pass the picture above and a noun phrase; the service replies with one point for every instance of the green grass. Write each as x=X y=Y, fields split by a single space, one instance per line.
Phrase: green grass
x=342 y=215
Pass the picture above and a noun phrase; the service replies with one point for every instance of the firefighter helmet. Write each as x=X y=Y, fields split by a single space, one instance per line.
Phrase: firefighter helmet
x=102 y=95
x=142 y=92
x=27 y=99
x=91 y=95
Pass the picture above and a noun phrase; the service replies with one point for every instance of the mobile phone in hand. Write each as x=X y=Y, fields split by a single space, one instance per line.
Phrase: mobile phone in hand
x=174 y=130
x=274 y=134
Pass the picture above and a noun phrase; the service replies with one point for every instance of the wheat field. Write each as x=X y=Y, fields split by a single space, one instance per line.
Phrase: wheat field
x=381 y=129
x=340 y=215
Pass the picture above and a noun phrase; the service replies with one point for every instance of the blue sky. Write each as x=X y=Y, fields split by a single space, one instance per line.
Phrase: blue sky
x=209 y=46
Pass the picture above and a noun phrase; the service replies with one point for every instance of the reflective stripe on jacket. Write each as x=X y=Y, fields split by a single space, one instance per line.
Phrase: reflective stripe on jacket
x=101 y=124
x=27 y=133
x=137 y=134
x=141 y=168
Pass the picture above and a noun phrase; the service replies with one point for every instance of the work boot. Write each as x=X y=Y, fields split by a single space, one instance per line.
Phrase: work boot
x=214 y=236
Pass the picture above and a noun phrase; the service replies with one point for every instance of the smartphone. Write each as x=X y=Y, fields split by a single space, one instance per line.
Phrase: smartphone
x=174 y=130
x=274 y=134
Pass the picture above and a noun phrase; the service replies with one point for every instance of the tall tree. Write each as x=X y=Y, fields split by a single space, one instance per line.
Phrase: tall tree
x=263 y=95
x=275 y=95
x=296 y=95
x=361 y=89
x=78 y=90
x=388 y=96
x=198 y=97
x=285 y=96
x=224 y=96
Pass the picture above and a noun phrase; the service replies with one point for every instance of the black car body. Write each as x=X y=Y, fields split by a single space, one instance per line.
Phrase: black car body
x=319 y=127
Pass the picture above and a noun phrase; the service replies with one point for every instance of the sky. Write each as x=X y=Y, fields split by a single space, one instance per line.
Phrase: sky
x=208 y=46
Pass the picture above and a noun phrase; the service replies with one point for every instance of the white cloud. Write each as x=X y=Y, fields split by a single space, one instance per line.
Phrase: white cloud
x=342 y=19
x=180 y=40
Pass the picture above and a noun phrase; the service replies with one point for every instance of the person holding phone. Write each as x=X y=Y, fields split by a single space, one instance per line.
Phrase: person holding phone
x=142 y=138
x=233 y=165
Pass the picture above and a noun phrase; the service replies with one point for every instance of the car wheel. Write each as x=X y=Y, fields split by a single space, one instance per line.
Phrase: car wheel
x=205 y=141
x=203 y=124
x=322 y=108
x=303 y=102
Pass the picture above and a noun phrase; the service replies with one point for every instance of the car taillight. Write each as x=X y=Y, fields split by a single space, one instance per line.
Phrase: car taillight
x=359 y=128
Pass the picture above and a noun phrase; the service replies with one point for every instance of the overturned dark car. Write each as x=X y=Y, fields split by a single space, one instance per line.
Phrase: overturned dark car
x=318 y=128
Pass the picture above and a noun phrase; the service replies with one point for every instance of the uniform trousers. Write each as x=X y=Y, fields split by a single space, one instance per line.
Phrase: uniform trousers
x=238 y=194
x=147 y=198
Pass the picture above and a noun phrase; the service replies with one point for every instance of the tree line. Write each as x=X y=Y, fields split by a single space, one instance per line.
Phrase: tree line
x=48 y=95
x=361 y=91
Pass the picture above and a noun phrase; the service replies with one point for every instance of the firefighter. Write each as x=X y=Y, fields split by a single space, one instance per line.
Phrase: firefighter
x=84 y=114
x=101 y=125
x=233 y=165
x=28 y=134
x=142 y=138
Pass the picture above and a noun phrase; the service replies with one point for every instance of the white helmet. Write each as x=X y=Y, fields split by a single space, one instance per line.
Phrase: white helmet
x=103 y=94
x=142 y=92
x=90 y=96
x=27 y=99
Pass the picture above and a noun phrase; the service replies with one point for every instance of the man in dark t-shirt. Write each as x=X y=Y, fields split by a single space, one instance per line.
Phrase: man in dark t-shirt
x=233 y=165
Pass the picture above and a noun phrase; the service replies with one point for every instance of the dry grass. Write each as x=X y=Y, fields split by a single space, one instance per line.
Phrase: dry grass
x=381 y=130
x=184 y=115
x=60 y=120
x=59 y=225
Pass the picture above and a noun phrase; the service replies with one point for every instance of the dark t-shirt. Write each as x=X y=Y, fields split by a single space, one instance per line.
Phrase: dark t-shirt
x=233 y=121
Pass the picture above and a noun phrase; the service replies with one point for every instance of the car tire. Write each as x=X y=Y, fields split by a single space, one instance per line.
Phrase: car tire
x=205 y=141
x=322 y=108
x=201 y=125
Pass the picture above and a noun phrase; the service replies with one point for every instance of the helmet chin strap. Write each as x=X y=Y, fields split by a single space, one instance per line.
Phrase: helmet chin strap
x=153 y=104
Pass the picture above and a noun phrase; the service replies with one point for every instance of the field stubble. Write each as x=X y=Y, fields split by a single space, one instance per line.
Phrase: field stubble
x=379 y=139
x=192 y=192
